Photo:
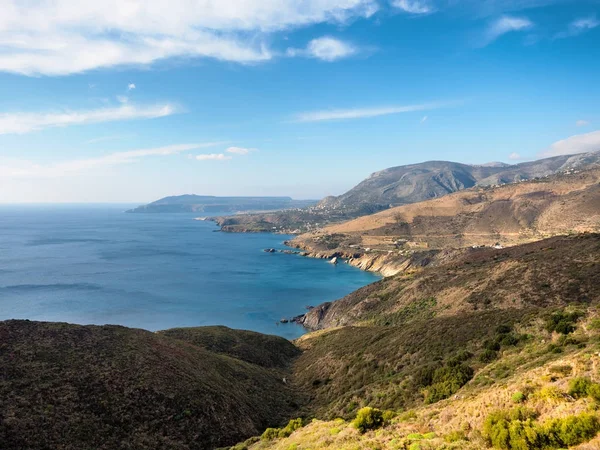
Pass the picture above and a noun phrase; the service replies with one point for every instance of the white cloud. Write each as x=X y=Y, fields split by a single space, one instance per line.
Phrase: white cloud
x=325 y=48
x=582 y=123
x=122 y=98
x=213 y=157
x=578 y=27
x=505 y=24
x=580 y=143
x=21 y=123
x=514 y=156
x=23 y=168
x=240 y=150
x=359 y=113
x=106 y=138
x=424 y=119
x=413 y=6
x=130 y=86
x=60 y=37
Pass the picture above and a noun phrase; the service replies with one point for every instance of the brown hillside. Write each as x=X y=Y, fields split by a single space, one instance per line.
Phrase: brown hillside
x=546 y=273
x=510 y=214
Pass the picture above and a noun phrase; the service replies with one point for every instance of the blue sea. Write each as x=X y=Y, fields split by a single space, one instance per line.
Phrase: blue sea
x=98 y=265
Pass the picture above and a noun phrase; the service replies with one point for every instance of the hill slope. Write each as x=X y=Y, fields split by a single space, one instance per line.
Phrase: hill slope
x=509 y=215
x=105 y=387
x=418 y=182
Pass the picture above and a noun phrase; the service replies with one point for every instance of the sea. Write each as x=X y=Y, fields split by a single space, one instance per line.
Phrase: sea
x=96 y=264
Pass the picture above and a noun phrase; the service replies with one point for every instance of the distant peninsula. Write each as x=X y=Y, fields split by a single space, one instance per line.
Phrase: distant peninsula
x=213 y=204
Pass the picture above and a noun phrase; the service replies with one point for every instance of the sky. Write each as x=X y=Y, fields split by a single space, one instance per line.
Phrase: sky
x=133 y=100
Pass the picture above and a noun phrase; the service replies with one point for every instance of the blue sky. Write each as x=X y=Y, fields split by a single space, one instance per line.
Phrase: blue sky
x=129 y=101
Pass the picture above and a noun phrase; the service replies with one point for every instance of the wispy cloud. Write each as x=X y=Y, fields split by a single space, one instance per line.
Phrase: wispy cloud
x=579 y=143
x=61 y=37
x=360 y=113
x=503 y=25
x=424 y=119
x=325 y=48
x=131 y=86
x=107 y=138
x=213 y=157
x=582 y=123
x=578 y=27
x=414 y=6
x=240 y=150
x=25 y=168
x=21 y=123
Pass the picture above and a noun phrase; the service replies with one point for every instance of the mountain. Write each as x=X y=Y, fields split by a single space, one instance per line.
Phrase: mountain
x=210 y=204
x=107 y=387
x=417 y=182
x=507 y=215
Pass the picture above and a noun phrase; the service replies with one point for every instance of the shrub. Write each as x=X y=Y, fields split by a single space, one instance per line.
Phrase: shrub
x=572 y=430
x=270 y=434
x=523 y=435
x=503 y=329
x=487 y=356
x=455 y=436
x=550 y=393
x=424 y=376
x=516 y=430
x=509 y=340
x=388 y=416
x=292 y=426
x=594 y=391
x=519 y=397
x=493 y=345
x=562 y=322
x=446 y=381
x=415 y=436
x=562 y=370
x=594 y=324
x=505 y=428
x=578 y=387
x=367 y=419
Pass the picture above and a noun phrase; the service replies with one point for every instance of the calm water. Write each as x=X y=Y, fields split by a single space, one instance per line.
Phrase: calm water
x=96 y=264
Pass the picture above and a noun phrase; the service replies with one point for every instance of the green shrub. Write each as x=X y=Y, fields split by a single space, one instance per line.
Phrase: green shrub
x=367 y=419
x=446 y=381
x=509 y=340
x=270 y=434
x=594 y=391
x=519 y=397
x=388 y=416
x=492 y=345
x=292 y=426
x=487 y=356
x=523 y=435
x=502 y=432
x=562 y=322
x=415 y=436
x=516 y=430
x=572 y=430
x=503 y=329
x=455 y=436
x=578 y=387
x=594 y=324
